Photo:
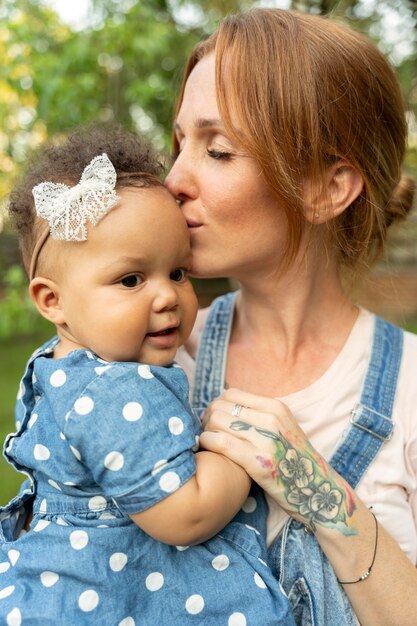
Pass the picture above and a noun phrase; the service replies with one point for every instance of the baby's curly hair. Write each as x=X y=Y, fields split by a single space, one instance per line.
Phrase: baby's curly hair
x=135 y=162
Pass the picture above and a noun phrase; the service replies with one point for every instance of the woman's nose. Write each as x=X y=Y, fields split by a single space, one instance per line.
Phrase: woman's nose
x=180 y=180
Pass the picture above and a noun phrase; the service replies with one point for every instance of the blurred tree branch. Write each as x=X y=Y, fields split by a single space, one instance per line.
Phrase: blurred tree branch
x=125 y=64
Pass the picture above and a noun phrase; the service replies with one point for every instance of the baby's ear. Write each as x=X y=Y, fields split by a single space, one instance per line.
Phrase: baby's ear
x=341 y=186
x=45 y=295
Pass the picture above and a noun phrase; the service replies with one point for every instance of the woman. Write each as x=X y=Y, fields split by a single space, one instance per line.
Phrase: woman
x=290 y=133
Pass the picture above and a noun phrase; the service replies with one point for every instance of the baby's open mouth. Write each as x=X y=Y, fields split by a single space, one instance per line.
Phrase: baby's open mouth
x=167 y=331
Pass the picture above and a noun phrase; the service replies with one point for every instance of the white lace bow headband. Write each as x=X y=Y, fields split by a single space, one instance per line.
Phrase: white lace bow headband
x=67 y=209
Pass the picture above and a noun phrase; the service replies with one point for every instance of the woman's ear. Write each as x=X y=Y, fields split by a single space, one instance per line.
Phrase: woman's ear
x=341 y=186
x=45 y=295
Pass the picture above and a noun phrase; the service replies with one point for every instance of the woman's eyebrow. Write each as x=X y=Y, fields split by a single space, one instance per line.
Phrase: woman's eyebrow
x=202 y=122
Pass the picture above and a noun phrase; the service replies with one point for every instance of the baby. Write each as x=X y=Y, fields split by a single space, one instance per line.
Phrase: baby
x=104 y=533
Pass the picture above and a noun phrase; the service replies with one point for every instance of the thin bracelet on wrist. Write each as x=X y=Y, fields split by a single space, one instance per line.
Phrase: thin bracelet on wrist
x=369 y=570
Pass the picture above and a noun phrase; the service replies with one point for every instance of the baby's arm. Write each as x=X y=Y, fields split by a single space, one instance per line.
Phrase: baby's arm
x=137 y=440
x=202 y=506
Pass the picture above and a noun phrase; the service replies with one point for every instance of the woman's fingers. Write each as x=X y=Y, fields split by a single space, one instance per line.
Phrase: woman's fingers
x=268 y=414
x=255 y=402
x=252 y=428
x=257 y=464
x=248 y=425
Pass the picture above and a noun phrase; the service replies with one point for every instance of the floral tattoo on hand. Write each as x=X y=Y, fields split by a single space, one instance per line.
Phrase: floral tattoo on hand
x=316 y=500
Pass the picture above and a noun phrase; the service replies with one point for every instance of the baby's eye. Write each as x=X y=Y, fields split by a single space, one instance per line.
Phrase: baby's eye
x=133 y=280
x=179 y=274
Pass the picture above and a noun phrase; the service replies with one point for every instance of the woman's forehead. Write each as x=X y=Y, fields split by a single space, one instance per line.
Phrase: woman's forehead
x=201 y=85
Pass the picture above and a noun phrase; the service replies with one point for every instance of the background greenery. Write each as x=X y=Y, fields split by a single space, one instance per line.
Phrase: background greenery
x=123 y=63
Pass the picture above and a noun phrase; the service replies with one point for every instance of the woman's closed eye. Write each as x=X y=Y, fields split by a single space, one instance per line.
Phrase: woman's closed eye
x=212 y=152
x=131 y=280
x=219 y=154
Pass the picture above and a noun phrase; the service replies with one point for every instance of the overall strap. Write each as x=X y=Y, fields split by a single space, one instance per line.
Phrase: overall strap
x=371 y=419
x=212 y=352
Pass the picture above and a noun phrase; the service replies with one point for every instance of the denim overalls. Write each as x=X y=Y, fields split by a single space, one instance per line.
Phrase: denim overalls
x=303 y=570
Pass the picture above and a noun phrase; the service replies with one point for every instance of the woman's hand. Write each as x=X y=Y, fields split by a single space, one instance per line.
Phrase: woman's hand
x=262 y=436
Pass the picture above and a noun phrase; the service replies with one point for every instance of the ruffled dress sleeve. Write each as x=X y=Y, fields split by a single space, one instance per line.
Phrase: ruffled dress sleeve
x=134 y=430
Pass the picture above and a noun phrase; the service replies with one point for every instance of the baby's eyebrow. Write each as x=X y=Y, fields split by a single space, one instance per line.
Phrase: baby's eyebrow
x=124 y=260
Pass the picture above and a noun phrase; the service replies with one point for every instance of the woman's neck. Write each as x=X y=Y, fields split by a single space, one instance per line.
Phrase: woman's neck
x=293 y=311
x=295 y=325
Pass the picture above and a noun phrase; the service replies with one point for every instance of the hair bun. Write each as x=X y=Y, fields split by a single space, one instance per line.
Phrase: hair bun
x=401 y=201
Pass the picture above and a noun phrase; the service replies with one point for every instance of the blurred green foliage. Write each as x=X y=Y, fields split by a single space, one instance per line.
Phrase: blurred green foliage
x=125 y=63
x=13 y=355
x=18 y=315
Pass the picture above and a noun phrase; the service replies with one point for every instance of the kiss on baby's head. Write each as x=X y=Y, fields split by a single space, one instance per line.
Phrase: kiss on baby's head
x=106 y=247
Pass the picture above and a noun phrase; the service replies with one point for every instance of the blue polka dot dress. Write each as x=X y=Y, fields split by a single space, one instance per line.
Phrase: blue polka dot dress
x=99 y=441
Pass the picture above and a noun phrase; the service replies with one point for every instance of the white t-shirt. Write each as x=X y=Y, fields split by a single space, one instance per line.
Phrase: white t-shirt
x=323 y=411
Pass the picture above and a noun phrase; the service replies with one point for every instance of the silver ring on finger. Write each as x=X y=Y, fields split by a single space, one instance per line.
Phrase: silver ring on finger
x=237 y=409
